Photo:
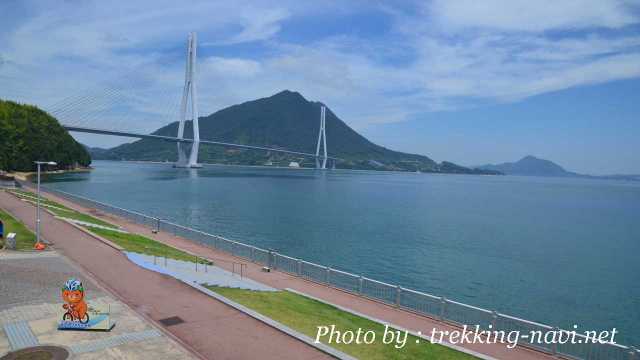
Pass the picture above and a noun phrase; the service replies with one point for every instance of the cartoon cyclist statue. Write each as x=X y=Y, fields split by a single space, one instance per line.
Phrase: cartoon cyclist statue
x=73 y=295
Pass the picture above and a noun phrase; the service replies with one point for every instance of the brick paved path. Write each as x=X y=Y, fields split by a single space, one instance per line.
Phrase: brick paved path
x=211 y=329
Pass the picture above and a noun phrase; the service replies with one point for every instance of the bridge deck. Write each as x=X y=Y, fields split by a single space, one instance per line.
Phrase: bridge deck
x=184 y=140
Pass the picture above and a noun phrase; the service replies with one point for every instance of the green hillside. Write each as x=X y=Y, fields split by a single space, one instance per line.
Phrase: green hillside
x=28 y=134
x=285 y=120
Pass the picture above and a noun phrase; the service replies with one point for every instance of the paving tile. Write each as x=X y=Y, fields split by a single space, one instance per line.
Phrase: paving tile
x=114 y=341
x=19 y=335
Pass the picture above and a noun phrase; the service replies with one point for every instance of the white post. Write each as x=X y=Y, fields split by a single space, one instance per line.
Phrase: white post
x=38 y=164
x=38 y=208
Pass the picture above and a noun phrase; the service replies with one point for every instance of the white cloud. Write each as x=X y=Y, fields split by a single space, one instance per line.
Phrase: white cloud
x=257 y=25
x=232 y=67
x=451 y=54
x=528 y=15
x=514 y=67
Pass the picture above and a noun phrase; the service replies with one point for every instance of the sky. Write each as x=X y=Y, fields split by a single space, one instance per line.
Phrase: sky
x=467 y=81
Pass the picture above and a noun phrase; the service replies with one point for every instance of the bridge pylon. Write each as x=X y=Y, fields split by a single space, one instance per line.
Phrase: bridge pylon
x=189 y=93
x=322 y=136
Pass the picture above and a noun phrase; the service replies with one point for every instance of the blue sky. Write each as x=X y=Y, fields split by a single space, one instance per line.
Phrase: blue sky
x=467 y=81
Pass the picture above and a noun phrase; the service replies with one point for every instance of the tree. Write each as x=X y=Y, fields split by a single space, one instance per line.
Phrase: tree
x=28 y=134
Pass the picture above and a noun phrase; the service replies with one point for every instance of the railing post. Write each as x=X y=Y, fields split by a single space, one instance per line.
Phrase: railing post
x=398 y=294
x=494 y=319
x=157 y=230
x=360 y=281
x=632 y=353
x=326 y=274
x=299 y=268
x=554 y=345
x=443 y=307
x=271 y=261
x=253 y=254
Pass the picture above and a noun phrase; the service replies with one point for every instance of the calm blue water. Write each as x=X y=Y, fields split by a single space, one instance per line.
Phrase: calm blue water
x=557 y=251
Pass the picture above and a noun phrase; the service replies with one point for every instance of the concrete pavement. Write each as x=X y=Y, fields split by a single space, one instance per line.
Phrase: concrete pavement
x=30 y=307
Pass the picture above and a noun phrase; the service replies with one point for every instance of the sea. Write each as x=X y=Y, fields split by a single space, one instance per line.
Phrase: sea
x=560 y=251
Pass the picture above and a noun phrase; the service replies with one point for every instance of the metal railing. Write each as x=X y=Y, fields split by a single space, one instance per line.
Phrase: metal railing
x=414 y=301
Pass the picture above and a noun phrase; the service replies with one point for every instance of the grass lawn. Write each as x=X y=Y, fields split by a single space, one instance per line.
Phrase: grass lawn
x=27 y=195
x=81 y=217
x=305 y=315
x=61 y=210
x=25 y=239
x=143 y=245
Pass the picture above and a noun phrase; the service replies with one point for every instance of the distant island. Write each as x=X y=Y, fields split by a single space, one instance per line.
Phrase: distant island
x=285 y=120
x=28 y=134
x=533 y=166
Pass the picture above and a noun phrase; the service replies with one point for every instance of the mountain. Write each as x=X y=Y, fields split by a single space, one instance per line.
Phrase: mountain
x=28 y=134
x=530 y=166
x=628 y=177
x=286 y=121
x=533 y=166
x=97 y=153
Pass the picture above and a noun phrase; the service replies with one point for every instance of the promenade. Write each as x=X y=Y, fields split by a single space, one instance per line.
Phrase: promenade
x=211 y=328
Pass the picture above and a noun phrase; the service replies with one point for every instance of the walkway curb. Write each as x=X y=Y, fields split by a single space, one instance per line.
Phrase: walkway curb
x=451 y=346
x=278 y=326
x=98 y=237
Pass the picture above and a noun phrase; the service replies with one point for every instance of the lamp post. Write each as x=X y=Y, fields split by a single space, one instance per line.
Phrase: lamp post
x=39 y=163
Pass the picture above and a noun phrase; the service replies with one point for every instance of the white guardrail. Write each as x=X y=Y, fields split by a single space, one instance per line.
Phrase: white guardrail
x=415 y=301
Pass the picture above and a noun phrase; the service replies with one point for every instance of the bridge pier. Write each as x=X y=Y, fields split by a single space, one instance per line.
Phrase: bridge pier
x=189 y=91
x=322 y=135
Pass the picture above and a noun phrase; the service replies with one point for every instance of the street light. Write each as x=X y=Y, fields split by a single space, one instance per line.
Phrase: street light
x=39 y=163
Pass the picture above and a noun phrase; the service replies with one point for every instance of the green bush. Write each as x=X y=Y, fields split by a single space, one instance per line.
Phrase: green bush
x=28 y=134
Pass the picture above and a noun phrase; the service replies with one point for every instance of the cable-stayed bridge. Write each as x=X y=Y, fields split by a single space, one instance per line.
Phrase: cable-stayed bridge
x=110 y=98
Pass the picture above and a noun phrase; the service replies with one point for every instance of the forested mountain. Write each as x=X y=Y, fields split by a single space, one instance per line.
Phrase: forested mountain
x=530 y=166
x=285 y=120
x=533 y=166
x=28 y=134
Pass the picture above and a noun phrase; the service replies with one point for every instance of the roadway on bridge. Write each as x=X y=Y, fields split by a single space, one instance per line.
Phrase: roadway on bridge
x=185 y=140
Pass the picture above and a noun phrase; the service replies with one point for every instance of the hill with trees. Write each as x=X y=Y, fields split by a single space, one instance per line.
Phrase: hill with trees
x=533 y=166
x=28 y=134
x=530 y=166
x=285 y=121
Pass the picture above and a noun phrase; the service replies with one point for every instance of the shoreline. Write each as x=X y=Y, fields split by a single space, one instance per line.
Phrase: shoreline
x=27 y=175
x=298 y=168
x=583 y=177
